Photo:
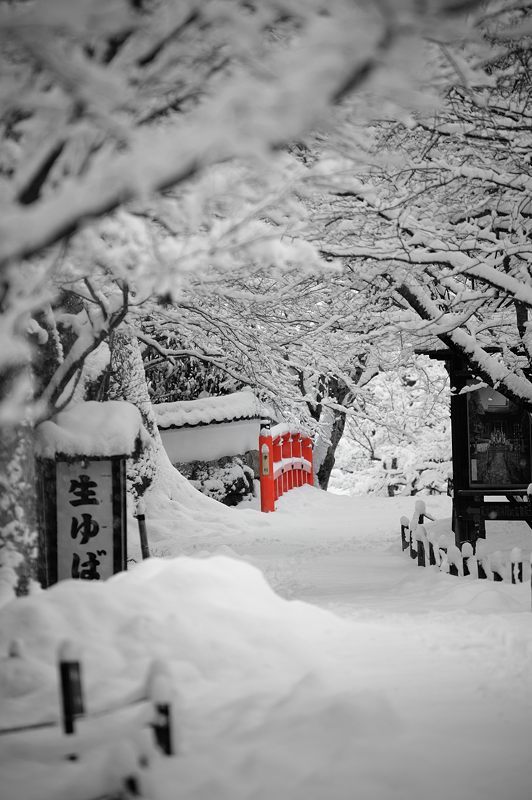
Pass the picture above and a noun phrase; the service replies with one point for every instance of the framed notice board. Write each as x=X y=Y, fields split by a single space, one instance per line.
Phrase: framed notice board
x=83 y=518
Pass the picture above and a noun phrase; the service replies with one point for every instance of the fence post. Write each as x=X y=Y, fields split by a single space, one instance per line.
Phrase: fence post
x=71 y=689
x=454 y=558
x=467 y=555
x=267 y=478
x=160 y=694
x=516 y=560
x=413 y=552
x=405 y=527
x=140 y=513
x=496 y=566
x=421 y=540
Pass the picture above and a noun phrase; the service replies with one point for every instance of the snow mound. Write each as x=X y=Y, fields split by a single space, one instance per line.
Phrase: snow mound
x=484 y=597
x=253 y=679
x=215 y=614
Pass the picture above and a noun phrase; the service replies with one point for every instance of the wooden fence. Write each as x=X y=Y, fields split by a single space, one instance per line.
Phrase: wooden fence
x=132 y=732
x=428 y=548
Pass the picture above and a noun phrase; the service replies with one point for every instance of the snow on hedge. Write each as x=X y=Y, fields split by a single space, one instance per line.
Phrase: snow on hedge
x=113 y=427
x=206 y=410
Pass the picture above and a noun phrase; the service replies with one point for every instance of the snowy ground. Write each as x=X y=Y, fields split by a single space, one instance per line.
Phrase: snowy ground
x=388 y=681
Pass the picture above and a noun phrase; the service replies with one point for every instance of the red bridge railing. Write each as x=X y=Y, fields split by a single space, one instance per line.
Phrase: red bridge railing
x=285 y=462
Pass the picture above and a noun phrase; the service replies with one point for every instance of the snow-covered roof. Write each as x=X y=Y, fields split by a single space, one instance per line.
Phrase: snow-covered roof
x=208 y=410
x=111 y=428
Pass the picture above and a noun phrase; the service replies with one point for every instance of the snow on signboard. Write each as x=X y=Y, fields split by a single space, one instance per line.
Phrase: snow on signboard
x=90 y=428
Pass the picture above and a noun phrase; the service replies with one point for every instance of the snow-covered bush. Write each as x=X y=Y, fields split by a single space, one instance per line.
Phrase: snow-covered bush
x=228 y=480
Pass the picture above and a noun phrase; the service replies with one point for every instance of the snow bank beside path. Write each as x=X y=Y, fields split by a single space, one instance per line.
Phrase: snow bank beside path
x=244 y=662
x=273 y=699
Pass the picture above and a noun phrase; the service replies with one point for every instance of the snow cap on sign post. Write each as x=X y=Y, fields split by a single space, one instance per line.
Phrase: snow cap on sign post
x=421 y=533
x=467 y=550
x=420 y=507
x=157 y=680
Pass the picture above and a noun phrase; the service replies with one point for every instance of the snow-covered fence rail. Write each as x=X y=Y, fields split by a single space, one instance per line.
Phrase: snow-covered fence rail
x=429 y=548
x=285 y=462
x=128 y=735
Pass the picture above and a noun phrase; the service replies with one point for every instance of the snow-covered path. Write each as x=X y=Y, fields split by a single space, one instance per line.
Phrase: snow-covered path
x=389 y=682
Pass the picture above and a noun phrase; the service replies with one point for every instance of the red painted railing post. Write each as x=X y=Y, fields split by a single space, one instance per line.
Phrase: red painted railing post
x=278 y=479
x=267 y=480
x=306 y=451
x=291 y=481
x=296 y=453
x=286 y=453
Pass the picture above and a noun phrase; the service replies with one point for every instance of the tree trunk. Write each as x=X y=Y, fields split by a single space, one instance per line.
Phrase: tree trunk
x=326 y=454
x=127 y=381
x=19 y=536
x=18 y=515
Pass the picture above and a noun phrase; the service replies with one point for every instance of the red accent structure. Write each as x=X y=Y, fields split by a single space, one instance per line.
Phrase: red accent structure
x=296 y=453
x=277 y=475
x=267 y=480
x=290 y=464
x=306 y=452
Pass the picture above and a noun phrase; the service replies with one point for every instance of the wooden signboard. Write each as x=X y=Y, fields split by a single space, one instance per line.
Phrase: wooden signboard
x=491 y=452
x=84 y=525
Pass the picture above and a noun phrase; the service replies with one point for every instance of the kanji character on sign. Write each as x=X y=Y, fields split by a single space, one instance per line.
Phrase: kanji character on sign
x=84 y=489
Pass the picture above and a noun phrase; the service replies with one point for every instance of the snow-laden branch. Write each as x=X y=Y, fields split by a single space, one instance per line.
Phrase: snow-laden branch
x=487 y=366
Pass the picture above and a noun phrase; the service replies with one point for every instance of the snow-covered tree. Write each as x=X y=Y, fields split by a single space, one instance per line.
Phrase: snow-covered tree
x=113 y=111
x=397 y=439
x=439 y=214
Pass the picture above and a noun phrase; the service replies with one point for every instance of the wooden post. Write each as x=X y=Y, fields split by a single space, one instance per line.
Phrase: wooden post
x=421 y=539
x=496 y=566
x=454 y=557
x=481 y=556
x=467 y=554
x=71 y=689
x=405 y=528
x=267 y=475
x=516 y=561
x=140 y=514
x=413 y=552
x=160 y=693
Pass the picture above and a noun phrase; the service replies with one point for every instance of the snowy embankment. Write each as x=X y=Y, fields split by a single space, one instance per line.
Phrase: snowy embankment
x=407 y=683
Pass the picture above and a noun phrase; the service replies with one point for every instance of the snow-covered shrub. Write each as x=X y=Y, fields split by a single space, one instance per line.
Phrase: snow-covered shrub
x=228 y=480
